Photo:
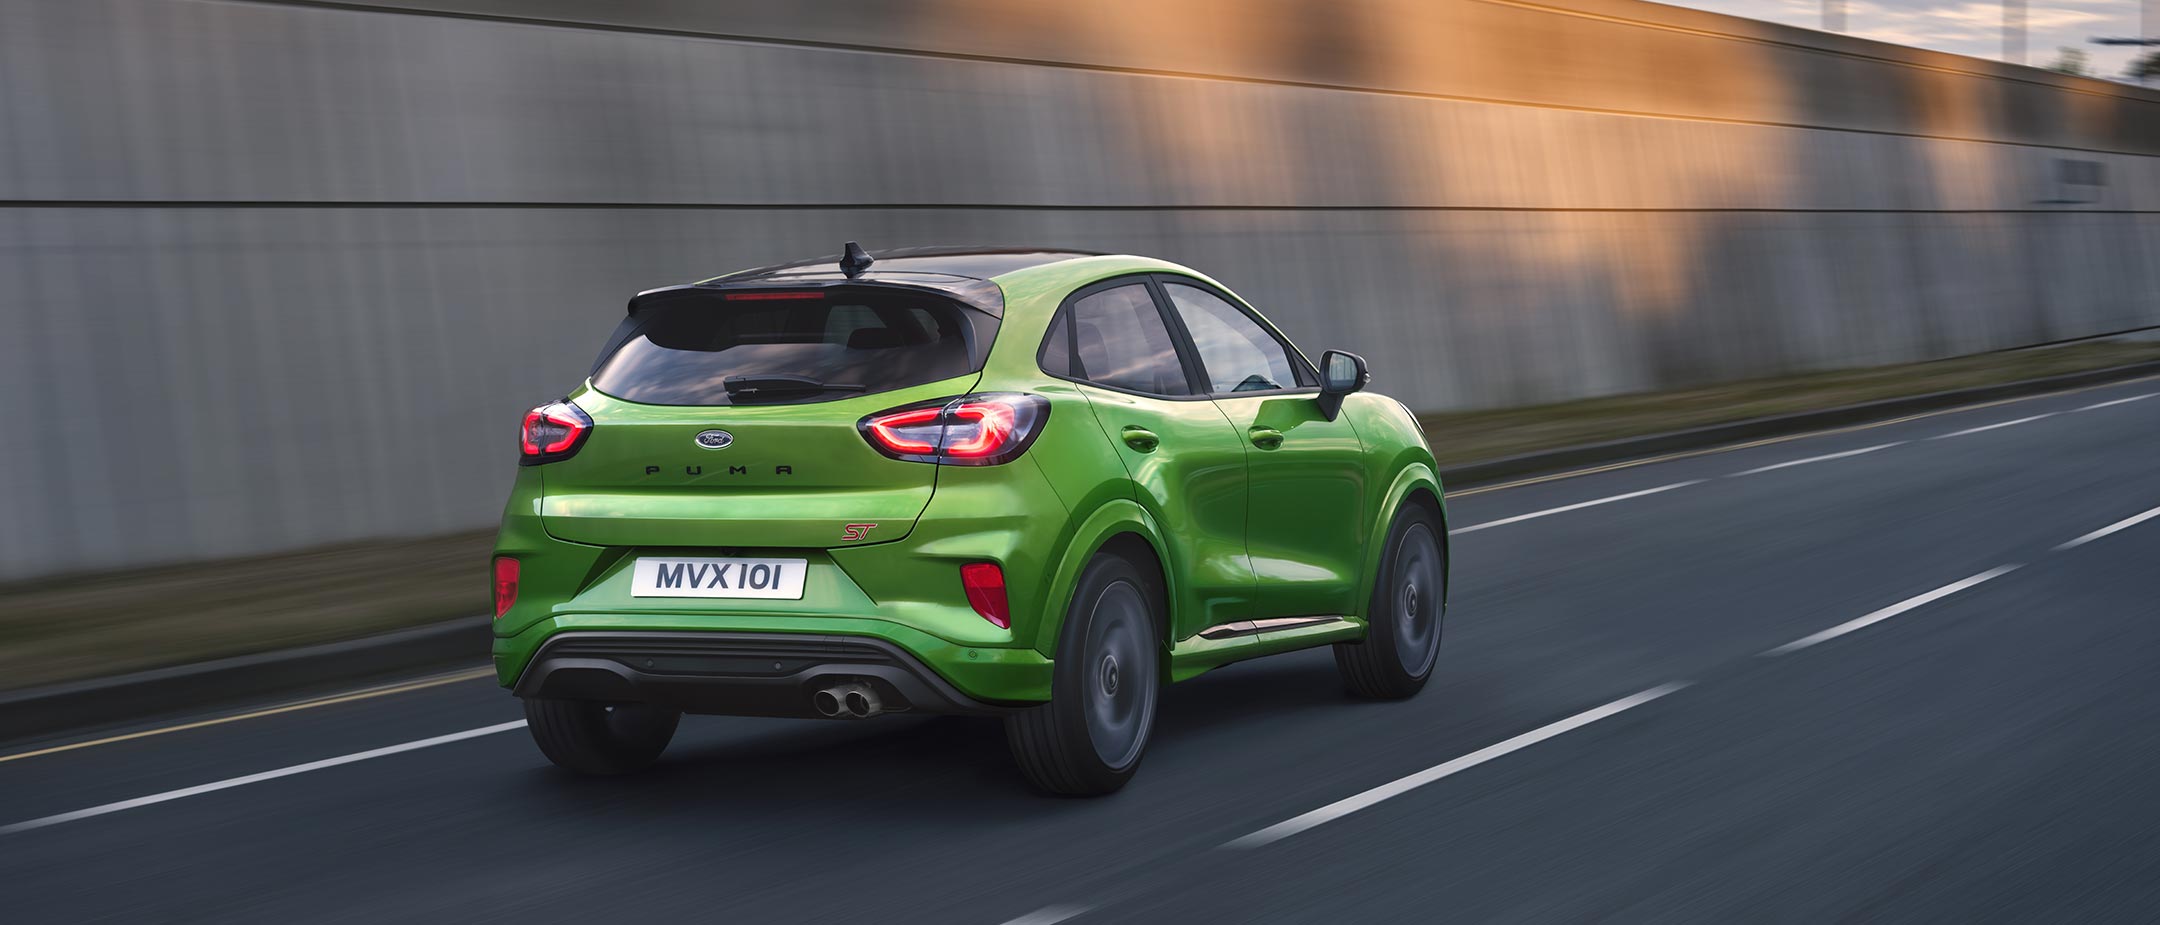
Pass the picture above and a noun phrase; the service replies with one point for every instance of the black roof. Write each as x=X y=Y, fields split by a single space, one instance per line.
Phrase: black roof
x=967 y=262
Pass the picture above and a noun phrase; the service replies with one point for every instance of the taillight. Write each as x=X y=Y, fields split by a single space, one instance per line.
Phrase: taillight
x=506 y=581
x=915 y=432
x=984 y=583
x=973 y=430
x=552 y=431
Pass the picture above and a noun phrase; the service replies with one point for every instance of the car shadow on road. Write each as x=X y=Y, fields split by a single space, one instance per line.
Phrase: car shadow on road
x=934 y=766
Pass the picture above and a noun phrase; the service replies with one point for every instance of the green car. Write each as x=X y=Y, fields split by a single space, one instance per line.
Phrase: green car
x=1036 y=485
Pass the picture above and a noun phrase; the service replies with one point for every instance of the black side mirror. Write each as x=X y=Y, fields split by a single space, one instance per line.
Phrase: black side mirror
x=1341 y=373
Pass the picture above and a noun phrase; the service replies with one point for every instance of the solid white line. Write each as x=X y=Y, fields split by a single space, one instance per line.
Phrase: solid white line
x=1890 y=611
x=257 y=778
x=2122 y=524
x=1344 y=807
x=364 y=693
x=2118 y=401
x=1049 y=915
x=1975 y=430
x=1802 y=462
x=1572 y=507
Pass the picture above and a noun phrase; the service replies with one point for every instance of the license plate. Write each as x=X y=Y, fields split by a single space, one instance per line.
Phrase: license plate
x=778 y=579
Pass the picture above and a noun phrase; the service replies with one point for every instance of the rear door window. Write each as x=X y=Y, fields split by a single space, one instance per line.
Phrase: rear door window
x=775 y=349
x=1118 y=339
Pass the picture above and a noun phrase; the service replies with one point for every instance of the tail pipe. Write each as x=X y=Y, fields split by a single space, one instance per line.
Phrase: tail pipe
x=853 y=700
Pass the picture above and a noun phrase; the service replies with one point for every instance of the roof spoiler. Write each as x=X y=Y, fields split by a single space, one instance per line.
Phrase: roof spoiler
x=979 y=294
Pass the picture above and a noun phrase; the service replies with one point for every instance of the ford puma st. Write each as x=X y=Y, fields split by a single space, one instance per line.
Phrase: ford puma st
x=1037 y=485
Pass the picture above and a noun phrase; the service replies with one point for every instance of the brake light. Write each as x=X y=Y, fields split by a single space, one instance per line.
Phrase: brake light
x=770 y=296
x=506 y=582
x=909 y=432
x=986 y=429
x=984 y=583
x=551 y=432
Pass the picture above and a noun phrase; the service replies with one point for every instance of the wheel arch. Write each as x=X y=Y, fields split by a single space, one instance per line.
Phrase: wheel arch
x=1415 y=483
x=1123 y=526
x=1143 y=554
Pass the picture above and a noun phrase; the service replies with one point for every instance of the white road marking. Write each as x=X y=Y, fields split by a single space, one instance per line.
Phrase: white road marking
x=1802 y=462
x=2119 y=401
x=1975 y=430
x=2122 y=524
x=364 y=693
x=1572 y=507
x=1049 y=915
x=1890 y=611
x=230 y=783
x=1396 y=788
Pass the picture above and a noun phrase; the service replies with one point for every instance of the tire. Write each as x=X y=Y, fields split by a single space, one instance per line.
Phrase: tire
x=1088 y=740
x=1402 y=635
x=590 y=737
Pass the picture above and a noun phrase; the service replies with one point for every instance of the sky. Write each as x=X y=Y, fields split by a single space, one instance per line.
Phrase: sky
x=1967 y=27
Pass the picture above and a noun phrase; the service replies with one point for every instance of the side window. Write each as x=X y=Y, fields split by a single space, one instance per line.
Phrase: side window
x=1239 y=354
x=1056 y=355
x=1119 y=340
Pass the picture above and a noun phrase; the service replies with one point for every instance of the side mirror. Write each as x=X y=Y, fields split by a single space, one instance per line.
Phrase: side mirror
x=1341 y=373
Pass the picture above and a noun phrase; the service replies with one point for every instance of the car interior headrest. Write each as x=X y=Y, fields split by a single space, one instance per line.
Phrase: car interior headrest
x=873 y=339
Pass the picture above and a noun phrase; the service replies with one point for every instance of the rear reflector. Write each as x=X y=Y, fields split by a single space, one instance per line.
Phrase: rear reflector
x=985 y=586
x=770 y=296
x=506 y=582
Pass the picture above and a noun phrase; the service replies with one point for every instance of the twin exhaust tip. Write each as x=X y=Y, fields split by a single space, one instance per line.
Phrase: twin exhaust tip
x=853 y=700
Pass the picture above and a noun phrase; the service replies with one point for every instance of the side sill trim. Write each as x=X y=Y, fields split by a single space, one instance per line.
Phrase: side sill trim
x=1255 y=627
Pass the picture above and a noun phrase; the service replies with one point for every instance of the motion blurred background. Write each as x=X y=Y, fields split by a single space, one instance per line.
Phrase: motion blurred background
x=280 y=277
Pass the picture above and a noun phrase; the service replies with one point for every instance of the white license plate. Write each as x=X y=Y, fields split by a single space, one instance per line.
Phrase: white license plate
x=779 y=579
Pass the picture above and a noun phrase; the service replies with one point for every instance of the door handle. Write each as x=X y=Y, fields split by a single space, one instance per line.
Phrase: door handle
x=1141 y=438
x=1266 y=438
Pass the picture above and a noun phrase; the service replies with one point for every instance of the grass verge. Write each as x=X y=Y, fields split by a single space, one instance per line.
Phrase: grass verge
x=1472 y=436
x=109 y=623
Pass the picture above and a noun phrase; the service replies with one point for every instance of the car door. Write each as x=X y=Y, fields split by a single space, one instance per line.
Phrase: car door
x=1185 y=460
x=1304 y=510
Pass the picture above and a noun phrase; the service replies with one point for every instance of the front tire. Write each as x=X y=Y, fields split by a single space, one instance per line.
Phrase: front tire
x=590 y=737
x=1089 y=738
x=1402 y=634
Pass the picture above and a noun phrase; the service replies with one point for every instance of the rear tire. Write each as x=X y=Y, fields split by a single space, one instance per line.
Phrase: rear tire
x=590 y=737
x=1402 y=635
x=1088 y=740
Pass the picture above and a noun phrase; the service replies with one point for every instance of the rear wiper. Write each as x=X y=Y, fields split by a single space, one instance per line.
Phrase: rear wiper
x=741 y=387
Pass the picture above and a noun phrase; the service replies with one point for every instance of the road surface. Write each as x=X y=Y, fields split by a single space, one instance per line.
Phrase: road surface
x=1904 y=671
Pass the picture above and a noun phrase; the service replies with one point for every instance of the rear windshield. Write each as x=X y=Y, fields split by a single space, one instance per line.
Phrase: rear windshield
x=711 y=350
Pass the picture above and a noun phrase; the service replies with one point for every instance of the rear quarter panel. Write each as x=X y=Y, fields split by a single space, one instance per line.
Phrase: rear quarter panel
x=1075 y=454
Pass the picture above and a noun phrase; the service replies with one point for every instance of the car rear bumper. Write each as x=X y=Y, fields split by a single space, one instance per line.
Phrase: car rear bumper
x=750 y=666
x=737 y=674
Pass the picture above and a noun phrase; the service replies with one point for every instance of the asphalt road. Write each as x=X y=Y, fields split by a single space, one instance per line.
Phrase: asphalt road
x=1801 y=693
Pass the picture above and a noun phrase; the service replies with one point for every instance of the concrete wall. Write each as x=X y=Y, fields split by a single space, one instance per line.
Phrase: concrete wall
x=276 y=275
